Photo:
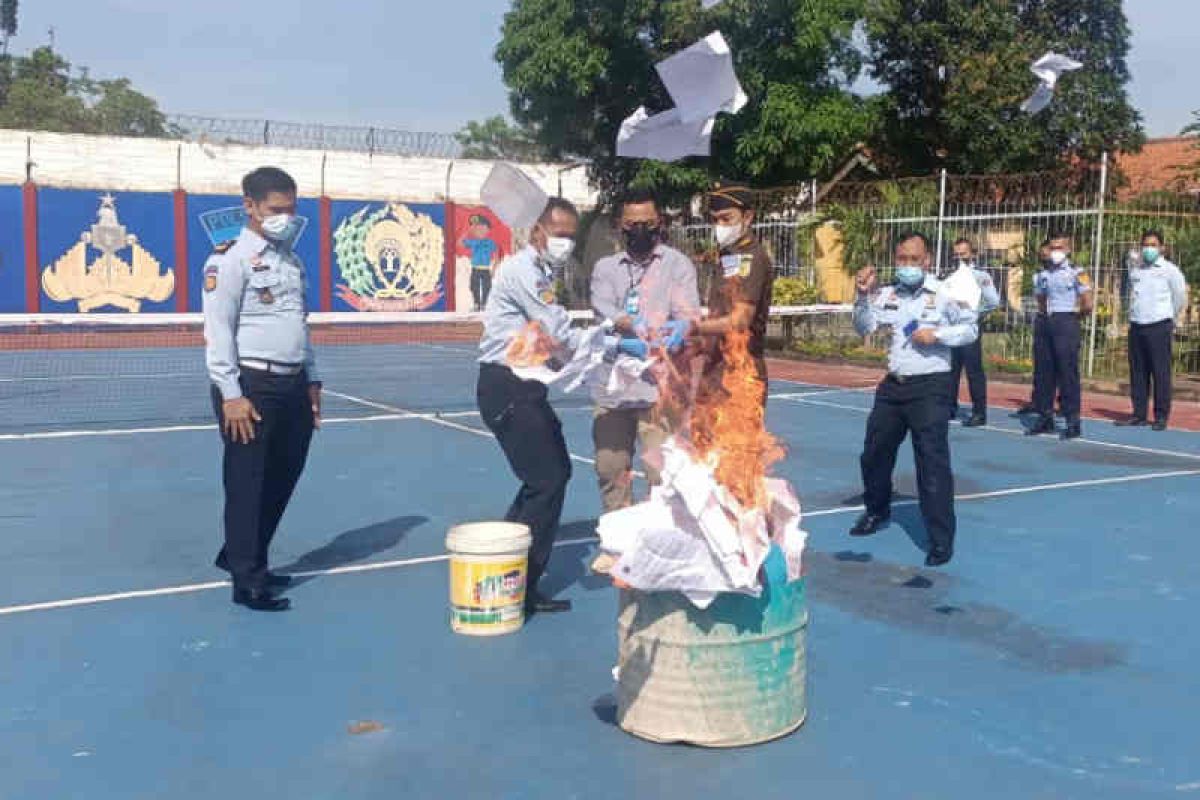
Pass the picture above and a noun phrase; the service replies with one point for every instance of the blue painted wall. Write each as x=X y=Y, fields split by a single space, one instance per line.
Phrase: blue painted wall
x=12 y=251
x=65 y=214
x=343 y=299
x=208 y=226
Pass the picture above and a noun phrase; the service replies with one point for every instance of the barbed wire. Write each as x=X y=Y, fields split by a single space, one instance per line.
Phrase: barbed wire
x=314 y=136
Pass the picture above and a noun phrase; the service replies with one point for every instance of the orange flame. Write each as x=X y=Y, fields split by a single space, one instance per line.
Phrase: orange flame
x=531 y=347
x=728 y=427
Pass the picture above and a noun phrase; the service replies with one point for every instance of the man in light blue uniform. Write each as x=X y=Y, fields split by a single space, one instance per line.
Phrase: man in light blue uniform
x=518 y=411
x=1158 y=295
x=1063 y=293
x=265 y=388
x=970 y=356
x=915 y=394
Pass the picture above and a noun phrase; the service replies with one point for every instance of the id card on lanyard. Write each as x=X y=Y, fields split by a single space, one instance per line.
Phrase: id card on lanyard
x=633 y=297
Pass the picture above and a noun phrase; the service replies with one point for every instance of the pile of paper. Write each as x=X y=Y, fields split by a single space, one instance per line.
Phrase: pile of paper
x=693 y=537
x=702 y=83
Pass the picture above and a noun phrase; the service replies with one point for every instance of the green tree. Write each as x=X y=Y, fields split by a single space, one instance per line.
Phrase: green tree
x=576 y=68
x=955 y=73
x=496 y=138
x=42 y=93
x=8 y=22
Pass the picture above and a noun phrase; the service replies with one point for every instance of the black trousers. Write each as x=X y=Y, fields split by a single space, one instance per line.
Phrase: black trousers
x=918 y=406
x=481 y=286
x=259 y=477
x=531 y=436
x=969 y=357
x=1150 y=357
x=1056 y=364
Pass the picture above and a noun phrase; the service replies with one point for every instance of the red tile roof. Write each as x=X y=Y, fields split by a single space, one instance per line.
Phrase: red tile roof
x=1156 y=167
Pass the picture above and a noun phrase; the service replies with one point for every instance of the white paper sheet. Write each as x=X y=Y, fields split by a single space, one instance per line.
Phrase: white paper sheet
x=663 y=137
x=1048 y=68
x=513 y=196
x=701 y=80
x=584 y=361
x=963 y=288
x=711 y=3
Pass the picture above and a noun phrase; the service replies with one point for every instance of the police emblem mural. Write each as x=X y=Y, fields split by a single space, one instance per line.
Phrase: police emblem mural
x=389 y=258
x=94 y=274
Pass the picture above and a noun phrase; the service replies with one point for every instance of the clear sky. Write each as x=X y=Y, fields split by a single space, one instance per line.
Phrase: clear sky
x=413 y=64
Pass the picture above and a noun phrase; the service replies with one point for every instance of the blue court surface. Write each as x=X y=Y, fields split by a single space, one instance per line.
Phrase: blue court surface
x=1054 y=658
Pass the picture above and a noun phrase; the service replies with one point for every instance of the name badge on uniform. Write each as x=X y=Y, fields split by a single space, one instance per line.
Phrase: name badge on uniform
x=633 y=303
x=731 y=266
x=265 y=297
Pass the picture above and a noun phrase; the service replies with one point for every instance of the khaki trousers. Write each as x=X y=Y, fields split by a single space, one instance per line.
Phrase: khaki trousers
x=615 y=432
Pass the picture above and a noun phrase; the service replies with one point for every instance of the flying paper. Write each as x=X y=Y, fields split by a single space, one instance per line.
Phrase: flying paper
x=1048 y=68
x=701 y=80
x=963 y=288
x=710 y=3
x=513 y=196
x=663 y=136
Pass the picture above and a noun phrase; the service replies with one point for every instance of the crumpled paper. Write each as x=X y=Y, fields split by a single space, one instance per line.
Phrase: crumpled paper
x=701 y=80
x=663 y=136
x=963 y=288
x=590 y=365
x=1048 y=68
x=693 y=537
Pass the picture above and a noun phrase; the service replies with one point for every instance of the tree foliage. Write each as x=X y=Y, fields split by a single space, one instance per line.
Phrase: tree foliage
x=42 y=92
x=576 y=68
x=955 y=73
x=496 y=138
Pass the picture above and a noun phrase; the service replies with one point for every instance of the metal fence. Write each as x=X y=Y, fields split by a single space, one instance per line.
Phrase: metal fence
x=1006 y=217
x=315 y=137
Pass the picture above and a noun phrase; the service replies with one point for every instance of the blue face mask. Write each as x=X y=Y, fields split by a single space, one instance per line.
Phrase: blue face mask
x=1150 y=254
x=910 y=277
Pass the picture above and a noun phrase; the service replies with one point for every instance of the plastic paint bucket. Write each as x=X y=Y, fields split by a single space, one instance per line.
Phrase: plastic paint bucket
x=489 y=562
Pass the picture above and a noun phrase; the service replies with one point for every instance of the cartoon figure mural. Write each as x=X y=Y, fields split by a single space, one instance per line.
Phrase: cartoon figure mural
x=485 y=255
x=94 y=275
x=390 y=258
x=483 y=244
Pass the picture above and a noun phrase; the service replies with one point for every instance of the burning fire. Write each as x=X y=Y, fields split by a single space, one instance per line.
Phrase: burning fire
x=728 y=427
x=532 y=347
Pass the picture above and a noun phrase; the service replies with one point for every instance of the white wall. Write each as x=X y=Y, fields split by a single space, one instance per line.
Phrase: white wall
x=157 y=165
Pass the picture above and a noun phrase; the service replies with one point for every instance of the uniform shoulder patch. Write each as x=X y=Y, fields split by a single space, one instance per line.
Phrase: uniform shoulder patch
x=1084 y=279
x=547 y=295
x=210 y=277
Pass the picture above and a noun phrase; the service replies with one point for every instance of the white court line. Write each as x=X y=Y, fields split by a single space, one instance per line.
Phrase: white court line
x=378 y=566
x=440 y=419
x=1096 y=442
x=802 y=395
x=1043 y=487
x=104 y=432
x=169 y=591
x=143 y=375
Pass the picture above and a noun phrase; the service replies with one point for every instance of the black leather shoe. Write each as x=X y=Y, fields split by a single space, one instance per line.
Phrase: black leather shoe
x=975 y=421
x=869 y=523
x=1073 y=431
x=274 y=579
x=1159 y=425
x=938 y=556
x=260 y=600
x=1026 y=408
x=536 y=604
x=1043 y=425
x=1132 y=422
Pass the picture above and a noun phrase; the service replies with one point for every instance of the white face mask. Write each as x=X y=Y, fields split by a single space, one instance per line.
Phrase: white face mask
x=559 y=249
x=280 y=227
x=727 y=234
x=1057 y=257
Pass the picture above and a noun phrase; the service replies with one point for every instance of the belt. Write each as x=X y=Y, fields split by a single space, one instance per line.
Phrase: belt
x=274 y=367
x=903 y=379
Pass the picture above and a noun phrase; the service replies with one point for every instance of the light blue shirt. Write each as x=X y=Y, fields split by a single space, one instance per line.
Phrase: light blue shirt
x=1157 y=292
x=523 y=292
x=254 y=309
x=1062 y=286
x=954 y=326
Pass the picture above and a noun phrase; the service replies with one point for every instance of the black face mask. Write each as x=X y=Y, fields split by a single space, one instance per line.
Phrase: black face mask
x=640 y=239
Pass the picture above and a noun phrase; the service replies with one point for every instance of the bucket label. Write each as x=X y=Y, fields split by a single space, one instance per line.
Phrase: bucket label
x=486 y=593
